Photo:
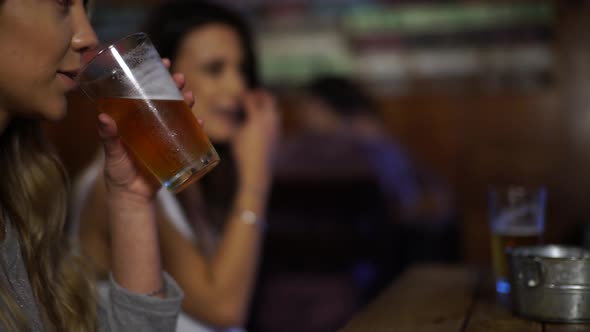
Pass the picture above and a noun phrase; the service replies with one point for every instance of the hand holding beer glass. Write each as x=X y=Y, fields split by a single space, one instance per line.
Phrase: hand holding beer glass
x=129 y=82
x=517 y=218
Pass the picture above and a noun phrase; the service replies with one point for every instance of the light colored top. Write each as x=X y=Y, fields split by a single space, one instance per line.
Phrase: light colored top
x=173 y=212
x=118 y=309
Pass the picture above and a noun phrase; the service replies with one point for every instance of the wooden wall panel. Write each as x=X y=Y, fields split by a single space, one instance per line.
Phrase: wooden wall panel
x=471 y=138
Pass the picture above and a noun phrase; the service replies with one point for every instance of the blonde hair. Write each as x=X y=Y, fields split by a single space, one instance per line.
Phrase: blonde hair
x=33 y=194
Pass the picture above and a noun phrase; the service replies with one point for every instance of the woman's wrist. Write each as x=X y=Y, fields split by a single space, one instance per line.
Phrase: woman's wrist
x=258 y=179
x=252 y=196
x=130 y=206
x=259 y=189
x=251 y=219
x=121 y=193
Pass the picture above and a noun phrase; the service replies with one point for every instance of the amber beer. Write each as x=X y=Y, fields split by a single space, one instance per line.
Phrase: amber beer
x=504 y=239
x=154 y=130
x=129 y=82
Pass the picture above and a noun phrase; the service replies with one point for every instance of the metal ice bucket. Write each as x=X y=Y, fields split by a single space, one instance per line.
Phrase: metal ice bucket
x=550 y=283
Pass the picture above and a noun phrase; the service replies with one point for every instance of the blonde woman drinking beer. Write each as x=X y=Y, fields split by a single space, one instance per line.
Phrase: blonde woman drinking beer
x=42 y=284
x=210 y=233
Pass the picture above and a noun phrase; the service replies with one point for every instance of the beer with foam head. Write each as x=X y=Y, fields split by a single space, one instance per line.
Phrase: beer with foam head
x=517 y=218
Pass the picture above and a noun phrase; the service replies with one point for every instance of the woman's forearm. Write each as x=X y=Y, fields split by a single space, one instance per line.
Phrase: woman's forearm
x=236 y=261
x=135 y=252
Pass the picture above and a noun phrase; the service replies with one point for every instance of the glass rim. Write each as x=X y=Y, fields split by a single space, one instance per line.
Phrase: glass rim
x=140 y=35
x=509 y=185
x=499 y=190
x=532 y=252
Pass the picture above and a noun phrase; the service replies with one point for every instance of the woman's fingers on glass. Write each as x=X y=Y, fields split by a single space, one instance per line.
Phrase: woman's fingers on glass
x=107 y=128
x=189 y=99
x=166 y=62
x=179 y=80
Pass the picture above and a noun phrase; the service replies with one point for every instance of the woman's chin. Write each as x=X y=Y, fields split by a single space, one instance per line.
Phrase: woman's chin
x=55 y=112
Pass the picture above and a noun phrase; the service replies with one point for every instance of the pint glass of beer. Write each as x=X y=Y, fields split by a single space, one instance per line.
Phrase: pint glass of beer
x=129 y=82
x=517 y=218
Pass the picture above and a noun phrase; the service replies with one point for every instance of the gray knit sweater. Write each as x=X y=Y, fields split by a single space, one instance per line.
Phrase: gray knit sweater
x=119 y=310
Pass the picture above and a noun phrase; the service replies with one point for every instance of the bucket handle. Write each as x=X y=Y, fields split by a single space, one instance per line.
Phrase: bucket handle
x=535 y=274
